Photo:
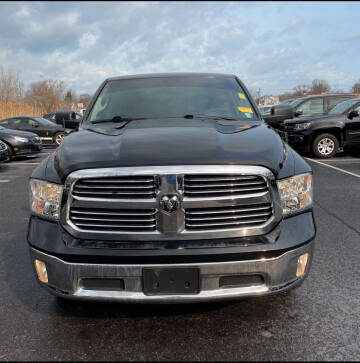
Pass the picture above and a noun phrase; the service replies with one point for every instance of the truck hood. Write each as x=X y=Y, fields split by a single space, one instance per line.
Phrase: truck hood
x=170 y=142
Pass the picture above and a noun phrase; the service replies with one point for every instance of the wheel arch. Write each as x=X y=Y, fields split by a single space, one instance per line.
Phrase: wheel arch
x=336 y=131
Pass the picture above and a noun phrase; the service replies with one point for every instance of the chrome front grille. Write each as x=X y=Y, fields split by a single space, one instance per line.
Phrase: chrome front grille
x=245 y=216
x=116 y=220
x=200 y=186
x=118 y=187
x=159 y=203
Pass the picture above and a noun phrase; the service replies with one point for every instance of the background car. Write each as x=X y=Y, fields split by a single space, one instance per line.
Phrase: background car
x=325 y=134
x=48 y=131
x=20 y=142
x=4 y=152
x=316 y=104
x=52 y=116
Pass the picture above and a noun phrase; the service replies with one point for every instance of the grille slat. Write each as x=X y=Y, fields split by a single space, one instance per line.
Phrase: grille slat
x=215 y=177
x=118 y=181
x=201 y=186
x=107 y=213
x=232 y=184
x=235 y=216
x=127 y=192
x=222 y=223
x=118 y=226
x=113 y=219
x=227 y=190
x=116 y=187
x=225 y=210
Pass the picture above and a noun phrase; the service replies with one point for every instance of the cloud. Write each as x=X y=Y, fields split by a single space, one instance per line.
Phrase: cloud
x=87 y=40
x=261 y=42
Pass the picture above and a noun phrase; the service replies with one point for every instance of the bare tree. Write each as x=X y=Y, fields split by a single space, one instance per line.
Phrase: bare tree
x=11 y=86
x=319 y=86
x=300 y=90
x=47 y=94
x=356 y=87
x=85 y=99
x=256 y=94
x=70 y=99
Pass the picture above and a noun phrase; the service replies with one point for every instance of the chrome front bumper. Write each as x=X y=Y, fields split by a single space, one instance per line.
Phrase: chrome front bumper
x=279 y=274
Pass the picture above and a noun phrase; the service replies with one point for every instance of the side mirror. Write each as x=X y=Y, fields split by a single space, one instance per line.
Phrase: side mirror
x=353 y=114
x=298 y=113
x=35 y=124
x=278 y=114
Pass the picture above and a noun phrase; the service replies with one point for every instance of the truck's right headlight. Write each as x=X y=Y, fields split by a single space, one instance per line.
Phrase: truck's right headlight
x=45 y=198
x=296 y=193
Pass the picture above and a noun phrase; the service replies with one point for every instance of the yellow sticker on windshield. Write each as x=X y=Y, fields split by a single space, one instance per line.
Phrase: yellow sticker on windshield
x=245 y=109
x=242 y=96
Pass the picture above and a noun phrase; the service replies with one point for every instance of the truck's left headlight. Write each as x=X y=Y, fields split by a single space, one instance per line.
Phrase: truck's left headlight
x=45 y=198
x=296 y=193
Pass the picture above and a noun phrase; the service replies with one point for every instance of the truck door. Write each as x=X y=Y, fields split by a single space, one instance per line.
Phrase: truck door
x=352 y=128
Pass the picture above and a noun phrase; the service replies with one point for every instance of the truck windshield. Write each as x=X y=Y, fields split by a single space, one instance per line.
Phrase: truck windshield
x=342 y=107
x=163 y=97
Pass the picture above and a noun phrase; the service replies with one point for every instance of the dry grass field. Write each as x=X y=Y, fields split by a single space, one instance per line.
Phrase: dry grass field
x=11 y=109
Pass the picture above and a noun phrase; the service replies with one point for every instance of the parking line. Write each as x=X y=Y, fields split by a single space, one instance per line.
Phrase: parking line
x=334 y=167
x=341 y=160
x=4 y=181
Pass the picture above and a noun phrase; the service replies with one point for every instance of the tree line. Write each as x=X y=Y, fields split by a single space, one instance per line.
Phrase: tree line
x=316 y=87
x=48 y=95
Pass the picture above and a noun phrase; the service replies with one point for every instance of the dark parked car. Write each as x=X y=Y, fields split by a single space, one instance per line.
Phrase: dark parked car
x=323 y=135
x=316 y=104
x=52 y=116
x=48 y=132
x=20 y=143
x=4 y=152
x=174 y=189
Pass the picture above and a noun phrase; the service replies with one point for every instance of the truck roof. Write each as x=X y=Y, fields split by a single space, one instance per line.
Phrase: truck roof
x=172 y=74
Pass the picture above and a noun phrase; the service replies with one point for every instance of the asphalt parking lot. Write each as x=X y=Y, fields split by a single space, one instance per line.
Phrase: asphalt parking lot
x=318 y=321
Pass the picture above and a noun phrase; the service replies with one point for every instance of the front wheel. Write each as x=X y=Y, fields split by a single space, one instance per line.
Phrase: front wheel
x=59 y=137
x=325 y=146
x=11 y=153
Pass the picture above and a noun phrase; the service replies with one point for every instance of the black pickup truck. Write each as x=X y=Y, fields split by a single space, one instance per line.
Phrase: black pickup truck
x=324 y=135
x=173 y=189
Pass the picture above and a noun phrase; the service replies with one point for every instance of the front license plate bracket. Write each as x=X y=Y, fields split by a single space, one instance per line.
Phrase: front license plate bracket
x=171 y=281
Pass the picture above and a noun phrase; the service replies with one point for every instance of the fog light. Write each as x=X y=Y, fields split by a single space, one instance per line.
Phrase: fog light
x=301 y=266
x=16 y=149
x=41 y=271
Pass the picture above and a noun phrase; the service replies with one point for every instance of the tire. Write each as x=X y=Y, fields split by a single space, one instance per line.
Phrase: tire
x=325 y=146
x=58 y=138
x=11 y=152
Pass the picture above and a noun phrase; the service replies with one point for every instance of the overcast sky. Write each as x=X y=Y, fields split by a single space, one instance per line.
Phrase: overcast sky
x=269 y=45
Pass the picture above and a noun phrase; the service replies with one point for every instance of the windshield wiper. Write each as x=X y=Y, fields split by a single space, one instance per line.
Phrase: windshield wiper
x=212 y=117
x=118 y=119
